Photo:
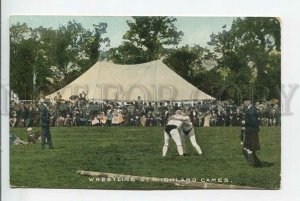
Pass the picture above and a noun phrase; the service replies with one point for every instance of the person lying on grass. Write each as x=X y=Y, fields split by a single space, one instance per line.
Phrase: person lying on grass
x=16 y=140
x=33 y=137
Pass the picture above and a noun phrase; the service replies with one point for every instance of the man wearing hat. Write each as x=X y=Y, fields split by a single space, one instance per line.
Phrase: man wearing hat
x=251 y=140
x=44 y=123
x=33 y=137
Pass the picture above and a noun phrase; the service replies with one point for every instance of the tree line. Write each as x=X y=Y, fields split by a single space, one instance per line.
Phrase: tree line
x=242 y=61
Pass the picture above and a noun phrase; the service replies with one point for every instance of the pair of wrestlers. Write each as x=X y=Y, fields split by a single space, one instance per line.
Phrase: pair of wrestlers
x=179 y=128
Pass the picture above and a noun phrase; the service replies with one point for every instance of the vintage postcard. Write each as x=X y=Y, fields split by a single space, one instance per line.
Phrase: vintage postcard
x=145 y=102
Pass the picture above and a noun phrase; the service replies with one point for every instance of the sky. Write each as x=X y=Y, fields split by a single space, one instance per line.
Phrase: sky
x=196 y=30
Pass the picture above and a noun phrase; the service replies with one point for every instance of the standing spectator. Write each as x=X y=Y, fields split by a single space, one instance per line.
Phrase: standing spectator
x=57 y=96
x=158 y=118
x=44 y=123
x=36 y=117
x=207 y=120
x=201 y=119
x=26 y=115
x=13 y=119
x=109 y=117
x=251 y=140
x=31 y=116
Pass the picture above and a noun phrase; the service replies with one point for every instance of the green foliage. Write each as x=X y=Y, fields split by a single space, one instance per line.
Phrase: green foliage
x=210 y=82
x=251 y=52
x=52 y=55
x=182 y=61
x=26 y=59
x=146 y=40
x=189 y=63
x=137 y=151
x=246 y=59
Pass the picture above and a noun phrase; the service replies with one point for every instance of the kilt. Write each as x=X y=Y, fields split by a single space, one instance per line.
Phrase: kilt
x=251 y=141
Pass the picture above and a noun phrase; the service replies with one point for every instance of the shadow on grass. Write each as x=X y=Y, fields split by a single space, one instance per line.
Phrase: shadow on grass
x=264 y=164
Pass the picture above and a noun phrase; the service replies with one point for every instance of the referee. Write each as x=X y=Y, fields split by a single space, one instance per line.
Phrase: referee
x=251 y=138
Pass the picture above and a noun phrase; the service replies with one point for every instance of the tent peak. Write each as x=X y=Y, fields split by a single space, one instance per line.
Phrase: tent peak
x=111 y=62
x=153 y=81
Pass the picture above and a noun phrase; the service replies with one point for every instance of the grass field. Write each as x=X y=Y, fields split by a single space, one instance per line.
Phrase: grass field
x=137 y=151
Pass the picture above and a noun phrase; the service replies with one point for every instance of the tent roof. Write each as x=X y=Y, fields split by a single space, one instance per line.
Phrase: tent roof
x=152 y=81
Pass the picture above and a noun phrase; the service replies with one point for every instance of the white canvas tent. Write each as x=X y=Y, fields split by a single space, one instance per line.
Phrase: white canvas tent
x=152 y=81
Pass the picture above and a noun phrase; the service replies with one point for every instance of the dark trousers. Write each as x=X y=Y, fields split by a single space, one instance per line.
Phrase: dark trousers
x=46 y=135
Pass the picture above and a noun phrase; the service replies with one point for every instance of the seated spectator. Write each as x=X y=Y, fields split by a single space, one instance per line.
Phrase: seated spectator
x=33 y=137
x=95 y=121
x=150 y=119
x=120 y=118
x=68 y=121
x=114 y=120
x=60 y=121
x=143 y=120
x=102 y=119
x=204 y=113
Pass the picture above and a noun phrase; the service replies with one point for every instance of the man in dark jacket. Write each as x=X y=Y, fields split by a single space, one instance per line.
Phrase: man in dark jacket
x=44 y=123
x=251 y=140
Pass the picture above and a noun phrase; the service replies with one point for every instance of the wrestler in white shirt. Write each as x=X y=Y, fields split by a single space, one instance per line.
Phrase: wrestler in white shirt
x=189 y=132
x=172 y=129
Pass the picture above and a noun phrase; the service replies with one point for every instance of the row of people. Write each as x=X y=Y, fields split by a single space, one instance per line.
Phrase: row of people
x=139 y=114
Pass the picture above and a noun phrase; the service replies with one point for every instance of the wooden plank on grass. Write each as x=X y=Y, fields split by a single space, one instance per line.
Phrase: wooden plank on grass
x=189 y=183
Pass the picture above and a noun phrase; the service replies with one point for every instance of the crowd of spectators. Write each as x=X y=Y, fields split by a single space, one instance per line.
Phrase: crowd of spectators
x=78 y=111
